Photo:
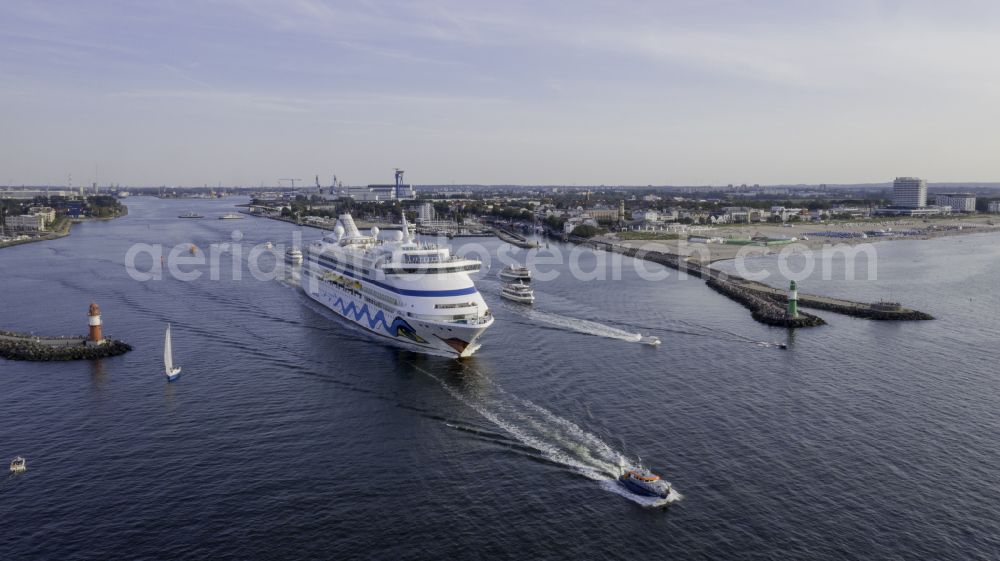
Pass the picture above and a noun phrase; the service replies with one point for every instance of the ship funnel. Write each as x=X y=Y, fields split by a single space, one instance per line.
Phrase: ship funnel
x=406 y=228
x=350 y=229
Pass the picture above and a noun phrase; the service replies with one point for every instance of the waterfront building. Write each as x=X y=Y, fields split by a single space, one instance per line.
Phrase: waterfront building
x=909 y=198
x=583 y=219
x=46 y=212
x=398 y=191
x=607 y=214
x=669 y=215
x=959 y=202
x=380 y=193
x=26 y=223
x=646 y=215
x=993 y=207
x=738 y=215
x=75 y=208
x=933 y=210
x=29 y=194
x=853 y=211
x=785 y=213
x=909 y=192
x=728 y=215
x=425 y=213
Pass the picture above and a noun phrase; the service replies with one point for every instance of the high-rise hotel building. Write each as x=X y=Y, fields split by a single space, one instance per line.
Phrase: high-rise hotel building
x=909 y=192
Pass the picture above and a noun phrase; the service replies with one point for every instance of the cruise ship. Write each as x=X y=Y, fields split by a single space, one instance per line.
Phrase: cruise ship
x=418 y=295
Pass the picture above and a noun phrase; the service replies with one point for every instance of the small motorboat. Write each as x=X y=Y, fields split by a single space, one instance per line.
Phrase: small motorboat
x=18 y=465
x=641 y=481
x=515 y=273
x=268 y=245
x=517 y=292
x=231 y=216
x=294 y=255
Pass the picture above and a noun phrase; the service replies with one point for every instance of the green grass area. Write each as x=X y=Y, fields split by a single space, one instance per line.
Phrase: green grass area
x=60 y=225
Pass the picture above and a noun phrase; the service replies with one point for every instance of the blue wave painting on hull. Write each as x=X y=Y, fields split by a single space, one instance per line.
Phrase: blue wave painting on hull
x=398 y=328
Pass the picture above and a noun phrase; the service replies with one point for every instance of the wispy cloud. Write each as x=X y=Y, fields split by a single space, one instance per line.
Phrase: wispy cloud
x=283 y=103
x=230 y=99
x=575 y=81
x=399 y=54
x=175 y=71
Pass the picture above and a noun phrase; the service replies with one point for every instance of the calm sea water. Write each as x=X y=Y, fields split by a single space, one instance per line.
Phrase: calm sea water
x=291 y=435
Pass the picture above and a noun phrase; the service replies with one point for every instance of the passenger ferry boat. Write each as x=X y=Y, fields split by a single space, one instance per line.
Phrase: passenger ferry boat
x=515 y=273
x=418 y=295
x=190 y=215
x=518 y=292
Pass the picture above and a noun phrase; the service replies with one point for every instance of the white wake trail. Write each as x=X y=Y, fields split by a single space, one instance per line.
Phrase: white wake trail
x=577 y=325
x=556 y=439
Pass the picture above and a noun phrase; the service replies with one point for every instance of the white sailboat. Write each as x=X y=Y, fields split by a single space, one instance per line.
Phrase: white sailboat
x=168 y=358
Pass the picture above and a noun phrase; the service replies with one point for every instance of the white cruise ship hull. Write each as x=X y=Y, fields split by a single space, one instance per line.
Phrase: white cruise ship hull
x=449 y=339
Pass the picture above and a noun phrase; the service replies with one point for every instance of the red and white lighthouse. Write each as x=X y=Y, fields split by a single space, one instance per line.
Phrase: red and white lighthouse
x=96 y=336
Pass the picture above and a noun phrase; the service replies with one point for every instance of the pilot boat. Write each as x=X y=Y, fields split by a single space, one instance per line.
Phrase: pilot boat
x=641 y=481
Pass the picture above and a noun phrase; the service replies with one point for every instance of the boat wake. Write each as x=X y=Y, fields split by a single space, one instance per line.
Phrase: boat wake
x=541 y=434
x=681 y=327
x=578 y=325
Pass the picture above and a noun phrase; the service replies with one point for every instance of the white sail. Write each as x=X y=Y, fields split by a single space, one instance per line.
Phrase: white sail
x=168 y=354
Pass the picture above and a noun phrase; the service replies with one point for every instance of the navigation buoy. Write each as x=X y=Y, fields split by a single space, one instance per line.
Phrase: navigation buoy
x=94 y=320
x=793 y=301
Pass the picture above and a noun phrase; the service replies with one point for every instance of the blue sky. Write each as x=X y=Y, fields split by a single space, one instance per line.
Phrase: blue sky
x=589 y=92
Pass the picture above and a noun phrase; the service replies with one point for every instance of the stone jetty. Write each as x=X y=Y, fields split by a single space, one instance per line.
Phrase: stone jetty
x=763 y=309
x=22 y=346
x=766 y=303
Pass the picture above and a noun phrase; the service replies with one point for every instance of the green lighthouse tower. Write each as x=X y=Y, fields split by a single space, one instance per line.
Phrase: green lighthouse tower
x=793 y=301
